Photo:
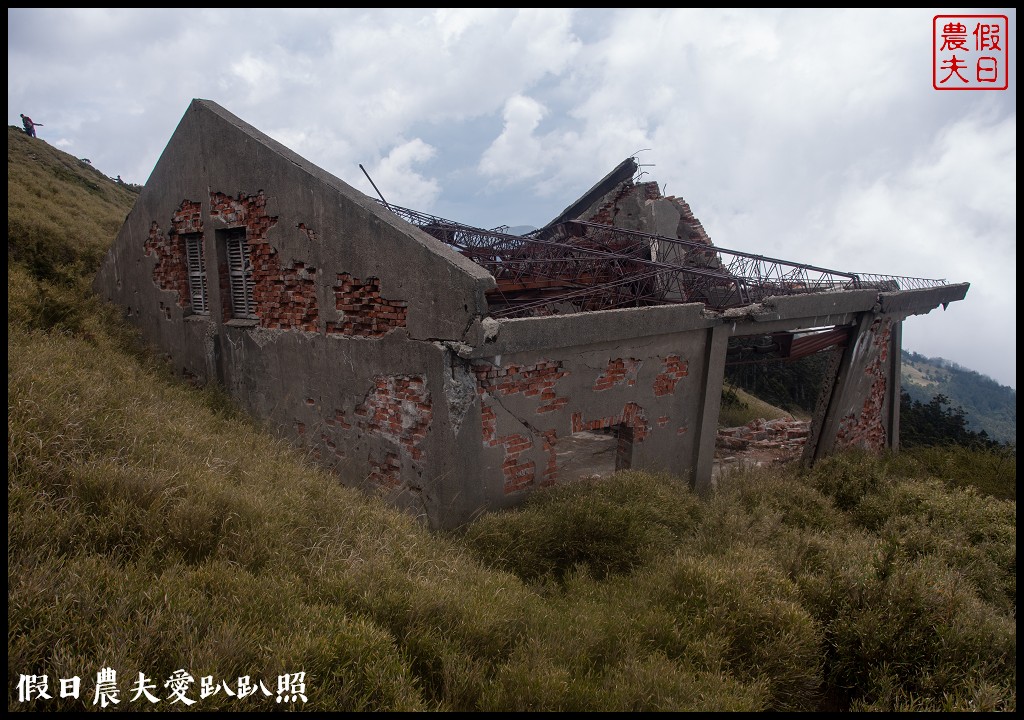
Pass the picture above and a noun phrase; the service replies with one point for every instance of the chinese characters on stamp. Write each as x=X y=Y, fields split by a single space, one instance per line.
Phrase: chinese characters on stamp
x=970 y=52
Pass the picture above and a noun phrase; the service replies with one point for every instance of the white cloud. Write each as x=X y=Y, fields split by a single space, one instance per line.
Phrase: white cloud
x=400 y=183
x=516 y=154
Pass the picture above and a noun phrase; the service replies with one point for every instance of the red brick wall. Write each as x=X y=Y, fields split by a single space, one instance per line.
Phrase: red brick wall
x=248 y=211
x=607 y=212
x=675 y=370
x=285 y=298
x=171 y=271
x=632 y=416
x=366 y=312
x=619 y=370
x=188 y=218
x=866 y=429
x=536 y=380
x=398 y=408
x=386 y=473
x=518 y=475
x=551 y=470
x=539 y=380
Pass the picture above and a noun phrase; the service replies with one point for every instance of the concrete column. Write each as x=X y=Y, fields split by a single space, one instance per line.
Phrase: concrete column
x=828 y=425
x=892 y=419
x=710 y=406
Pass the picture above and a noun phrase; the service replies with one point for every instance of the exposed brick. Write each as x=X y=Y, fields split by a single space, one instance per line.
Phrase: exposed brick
x=365 y=313
x=619 y=370
x=608 y=211
x=781 y=433
x=866 y=429
x=675 y=370
x=489 y=423
x=398 y=408
x=551 y=471
x=386 y=473
x=171 y=271
x=632 y=416
x=537 y=380
x=248 y=211
x=285 y=297
x=518 y=475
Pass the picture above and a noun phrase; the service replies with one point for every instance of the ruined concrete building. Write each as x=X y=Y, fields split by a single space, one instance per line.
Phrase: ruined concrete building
x=454 y=368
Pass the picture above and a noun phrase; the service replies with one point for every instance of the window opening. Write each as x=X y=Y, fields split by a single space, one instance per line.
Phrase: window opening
x=240 y=275
x=195 y=258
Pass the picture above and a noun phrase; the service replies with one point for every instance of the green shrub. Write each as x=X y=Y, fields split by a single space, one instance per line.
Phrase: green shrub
x=992 y=471
x=847 y=477
x=608 y=526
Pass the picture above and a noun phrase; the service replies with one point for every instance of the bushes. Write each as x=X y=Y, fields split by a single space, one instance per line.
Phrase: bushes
x=992 y=471
x=607 y=527
x=900 y=628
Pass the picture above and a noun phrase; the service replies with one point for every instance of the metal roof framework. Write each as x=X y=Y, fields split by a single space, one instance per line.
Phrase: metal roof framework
x=577 y=266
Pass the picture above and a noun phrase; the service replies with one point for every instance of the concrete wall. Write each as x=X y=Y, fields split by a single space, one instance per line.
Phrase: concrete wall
x=343 y=353
x=640 y=373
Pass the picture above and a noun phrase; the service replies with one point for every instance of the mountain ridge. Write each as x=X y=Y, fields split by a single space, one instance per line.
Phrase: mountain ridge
x=988 y=405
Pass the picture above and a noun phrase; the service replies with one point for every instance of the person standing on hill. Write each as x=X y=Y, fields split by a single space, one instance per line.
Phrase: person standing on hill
x=30 y=127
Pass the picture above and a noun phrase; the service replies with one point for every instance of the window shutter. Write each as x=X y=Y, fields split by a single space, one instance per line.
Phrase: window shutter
x=240 y=272
x=196 y=261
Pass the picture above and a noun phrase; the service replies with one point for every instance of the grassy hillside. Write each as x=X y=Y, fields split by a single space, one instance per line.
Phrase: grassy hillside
x=740 y=407
x=987 y=405
x=153 y=529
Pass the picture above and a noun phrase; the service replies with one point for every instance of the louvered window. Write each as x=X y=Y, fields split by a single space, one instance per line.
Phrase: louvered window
x=240 y=276
x=196 y=259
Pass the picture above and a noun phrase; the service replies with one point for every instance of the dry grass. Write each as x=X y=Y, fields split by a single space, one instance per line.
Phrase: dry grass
x=740 y=407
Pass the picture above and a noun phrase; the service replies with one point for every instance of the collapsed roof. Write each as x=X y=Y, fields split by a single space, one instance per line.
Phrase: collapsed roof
x=624 y=244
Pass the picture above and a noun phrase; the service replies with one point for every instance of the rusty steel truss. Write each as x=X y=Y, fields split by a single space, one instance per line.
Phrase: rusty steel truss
x=578 y=266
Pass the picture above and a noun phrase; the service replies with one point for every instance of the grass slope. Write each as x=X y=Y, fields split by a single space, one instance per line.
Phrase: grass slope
x=152 y=529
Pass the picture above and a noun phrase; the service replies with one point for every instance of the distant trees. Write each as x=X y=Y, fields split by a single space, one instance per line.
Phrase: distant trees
x=790 y=385
x=936 y=422
x=987 y=405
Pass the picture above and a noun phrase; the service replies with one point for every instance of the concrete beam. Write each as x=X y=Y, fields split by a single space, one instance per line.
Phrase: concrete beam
x=581 y=329
x=919 y=302
x=784 y=307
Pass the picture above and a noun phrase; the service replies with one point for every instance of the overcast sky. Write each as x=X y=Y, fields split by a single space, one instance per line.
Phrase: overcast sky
x=809 y=135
